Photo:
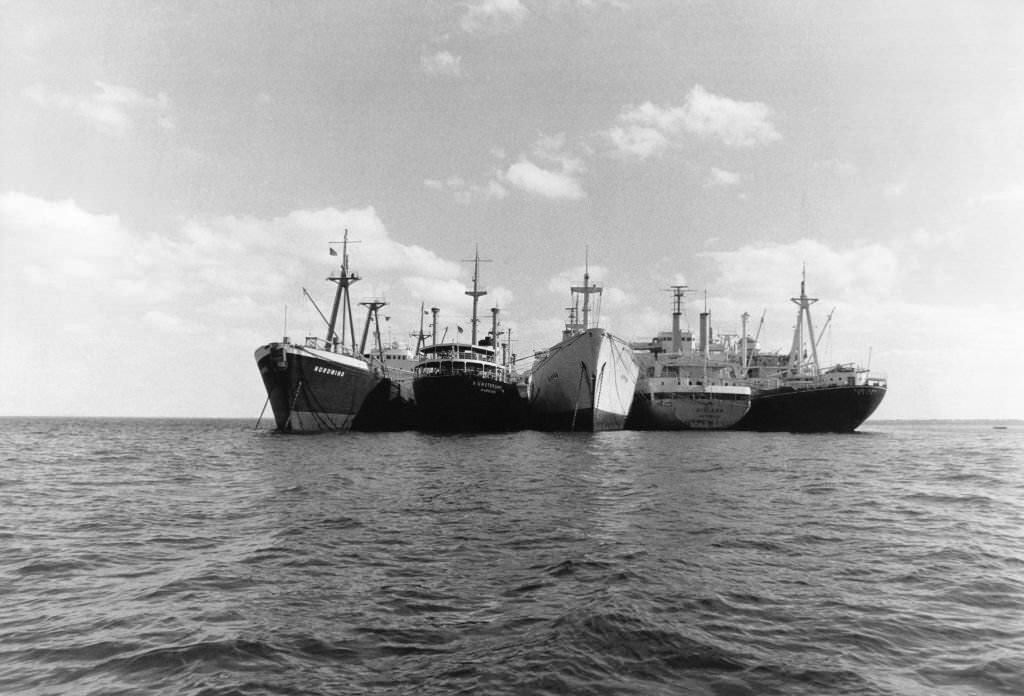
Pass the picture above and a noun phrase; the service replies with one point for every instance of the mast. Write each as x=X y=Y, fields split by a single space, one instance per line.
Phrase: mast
x=804 y=313
x=476 y=293
x=420 y=336
x=586 y=290
x=341 y=299
x=372 y=307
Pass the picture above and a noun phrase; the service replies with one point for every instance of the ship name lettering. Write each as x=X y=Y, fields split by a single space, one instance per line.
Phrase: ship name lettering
x=329 y=371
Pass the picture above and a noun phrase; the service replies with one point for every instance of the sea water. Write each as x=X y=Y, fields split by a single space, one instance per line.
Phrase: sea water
x=205 y=557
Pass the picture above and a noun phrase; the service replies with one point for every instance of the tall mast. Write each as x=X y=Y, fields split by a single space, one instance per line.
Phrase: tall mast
x=586 y=289
x=804 y=313
x=344 y=279
x=420 y=336
x=476 y=293
x=372 y=307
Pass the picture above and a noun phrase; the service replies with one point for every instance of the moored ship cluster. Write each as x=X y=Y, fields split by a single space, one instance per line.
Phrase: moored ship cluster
x=590 y=380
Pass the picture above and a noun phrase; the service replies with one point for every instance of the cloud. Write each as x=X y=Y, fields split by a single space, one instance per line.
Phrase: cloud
x=558 y=180
x=114 y=110
x=442 y=63
x=647 y=130
x=485 y=17
x=720 y=177
x=466 y=193
x=856 y=272
x=527 y=176
x=97 y=262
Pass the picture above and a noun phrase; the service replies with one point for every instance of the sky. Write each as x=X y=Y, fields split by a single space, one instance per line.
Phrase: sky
x=172 y=175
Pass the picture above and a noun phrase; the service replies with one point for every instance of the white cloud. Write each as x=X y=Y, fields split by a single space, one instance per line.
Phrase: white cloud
x=528 y=177
x=466 y=193
x=637 y=140
x=98 y=262
x=114 y=110
x=859 y=272
x=493 y=16
x=442 y=63
x=720 y=177
x=646 y=130
x=558 y=180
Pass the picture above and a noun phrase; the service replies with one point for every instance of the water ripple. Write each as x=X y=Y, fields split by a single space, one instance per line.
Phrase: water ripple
x=202 y=558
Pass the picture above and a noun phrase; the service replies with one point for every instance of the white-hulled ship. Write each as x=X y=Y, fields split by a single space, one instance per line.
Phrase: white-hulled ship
x=681 y=388
x=585 y=381
x=468 y=387
x=323 y=383
x=792 y=393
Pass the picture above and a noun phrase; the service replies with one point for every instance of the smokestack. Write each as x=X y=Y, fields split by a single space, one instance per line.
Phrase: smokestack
x=494 y=332
x=677 y=337
x=434 y=311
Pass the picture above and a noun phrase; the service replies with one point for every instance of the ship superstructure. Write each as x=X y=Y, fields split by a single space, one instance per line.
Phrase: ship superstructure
x=681 y=385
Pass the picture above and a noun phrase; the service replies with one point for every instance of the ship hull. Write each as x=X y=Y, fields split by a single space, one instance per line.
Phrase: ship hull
x=586 y=383
x=832 y=409
x=687 y=410
x=312 y=390
x=388 y=408
x=467 y=403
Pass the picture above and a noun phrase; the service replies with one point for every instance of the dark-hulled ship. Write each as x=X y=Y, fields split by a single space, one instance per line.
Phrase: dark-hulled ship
x=466 y=387
x=323 y=384
x=791 y=393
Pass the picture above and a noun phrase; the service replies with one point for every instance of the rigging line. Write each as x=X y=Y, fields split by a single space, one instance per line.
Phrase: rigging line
x=264 y=410
x=317 y=410
x=576 y=401
x=291 y=408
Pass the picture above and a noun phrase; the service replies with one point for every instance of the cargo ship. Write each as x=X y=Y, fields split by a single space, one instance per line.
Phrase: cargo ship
x=681 y=386
x=792 y=393
x=468 y=387
x=322 y=384
x=585 y=381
